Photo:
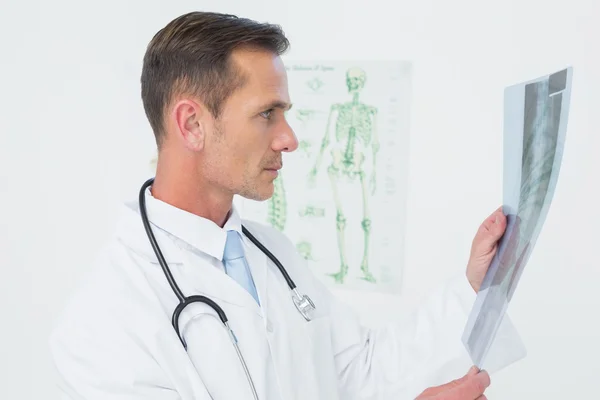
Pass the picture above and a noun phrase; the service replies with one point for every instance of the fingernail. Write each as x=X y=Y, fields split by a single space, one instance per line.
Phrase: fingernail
x=496 y=220
x=473 y=370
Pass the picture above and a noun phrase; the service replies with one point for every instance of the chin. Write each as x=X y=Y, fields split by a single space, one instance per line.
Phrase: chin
x=256 y=196
x=265 y=194
x=259 y=193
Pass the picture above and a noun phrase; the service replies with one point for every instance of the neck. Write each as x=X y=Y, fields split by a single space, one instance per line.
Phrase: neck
x=189 y=191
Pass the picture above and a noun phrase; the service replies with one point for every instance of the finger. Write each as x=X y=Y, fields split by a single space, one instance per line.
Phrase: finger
x=494 y=219
x=482 y=397
x=472 y=388
x=447 y=386
x=473 y=371
x=491 y=230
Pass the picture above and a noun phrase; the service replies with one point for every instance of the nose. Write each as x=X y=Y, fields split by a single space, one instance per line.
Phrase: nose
x=286 y=140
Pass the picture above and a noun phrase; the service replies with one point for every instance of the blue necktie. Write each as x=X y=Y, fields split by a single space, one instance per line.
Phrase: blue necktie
x=236 y=265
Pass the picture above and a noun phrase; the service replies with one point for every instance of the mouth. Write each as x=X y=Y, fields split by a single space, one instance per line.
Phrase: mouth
x=273 y=171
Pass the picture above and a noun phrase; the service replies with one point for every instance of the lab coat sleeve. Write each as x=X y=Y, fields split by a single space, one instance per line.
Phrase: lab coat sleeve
x=418 y=351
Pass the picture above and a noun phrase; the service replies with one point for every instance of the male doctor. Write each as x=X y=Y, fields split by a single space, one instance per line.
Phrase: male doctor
x=215 y=92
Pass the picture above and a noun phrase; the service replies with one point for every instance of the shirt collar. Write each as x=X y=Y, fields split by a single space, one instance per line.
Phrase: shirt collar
x=198 y=232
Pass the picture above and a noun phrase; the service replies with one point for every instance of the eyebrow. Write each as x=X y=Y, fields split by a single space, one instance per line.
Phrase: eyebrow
x=277 y=104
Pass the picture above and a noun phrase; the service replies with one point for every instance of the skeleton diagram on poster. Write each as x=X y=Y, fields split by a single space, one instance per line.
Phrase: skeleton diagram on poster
x=341 y=195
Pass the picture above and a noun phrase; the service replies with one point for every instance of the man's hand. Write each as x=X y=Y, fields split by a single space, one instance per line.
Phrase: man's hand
x=484 y=247
x=469 y=387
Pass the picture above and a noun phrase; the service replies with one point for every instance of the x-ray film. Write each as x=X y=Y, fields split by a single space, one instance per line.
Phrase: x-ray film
x=535 y=124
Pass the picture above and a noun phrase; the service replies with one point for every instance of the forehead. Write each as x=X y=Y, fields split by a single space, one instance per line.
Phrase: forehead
x=264 y=75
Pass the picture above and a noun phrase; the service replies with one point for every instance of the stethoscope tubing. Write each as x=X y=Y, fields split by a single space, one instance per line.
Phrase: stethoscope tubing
x=302 y=302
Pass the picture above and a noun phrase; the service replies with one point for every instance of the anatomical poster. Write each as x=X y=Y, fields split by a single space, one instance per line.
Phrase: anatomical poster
x=341 y=196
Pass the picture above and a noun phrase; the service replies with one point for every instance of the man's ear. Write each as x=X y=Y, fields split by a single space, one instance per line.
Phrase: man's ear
x=190 y=118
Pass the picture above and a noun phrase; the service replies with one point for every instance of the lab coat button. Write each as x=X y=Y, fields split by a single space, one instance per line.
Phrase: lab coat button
x=269 y=326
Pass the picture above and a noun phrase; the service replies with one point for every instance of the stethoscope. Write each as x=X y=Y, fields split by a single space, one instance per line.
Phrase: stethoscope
x=303 y=303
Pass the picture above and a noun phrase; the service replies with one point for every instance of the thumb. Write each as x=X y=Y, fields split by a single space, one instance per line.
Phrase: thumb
x=434 y=391
x=490 y=231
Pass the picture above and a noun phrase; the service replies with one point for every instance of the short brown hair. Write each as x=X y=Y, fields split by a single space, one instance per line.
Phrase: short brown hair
x=192 y=55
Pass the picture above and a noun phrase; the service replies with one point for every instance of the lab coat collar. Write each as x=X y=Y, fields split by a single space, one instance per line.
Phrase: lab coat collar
x=209 y=281
x=130 y=232
x=200 y=233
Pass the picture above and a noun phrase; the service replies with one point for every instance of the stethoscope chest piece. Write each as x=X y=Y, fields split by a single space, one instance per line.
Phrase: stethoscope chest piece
x=304 y=304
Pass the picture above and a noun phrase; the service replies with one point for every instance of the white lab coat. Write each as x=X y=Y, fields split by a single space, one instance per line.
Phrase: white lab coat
x=115 y=339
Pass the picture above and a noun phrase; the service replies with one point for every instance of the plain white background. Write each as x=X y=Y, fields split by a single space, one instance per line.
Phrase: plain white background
x=75 y=143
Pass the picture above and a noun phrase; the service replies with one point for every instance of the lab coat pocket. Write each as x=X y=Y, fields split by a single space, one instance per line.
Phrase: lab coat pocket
x=319 y=334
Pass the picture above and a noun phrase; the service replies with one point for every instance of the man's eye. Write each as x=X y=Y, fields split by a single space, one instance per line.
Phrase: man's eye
x=266 y=114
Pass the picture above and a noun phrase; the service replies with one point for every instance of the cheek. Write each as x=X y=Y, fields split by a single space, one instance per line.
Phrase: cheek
x=236 y=159
x=252 y=145
x=245 y=146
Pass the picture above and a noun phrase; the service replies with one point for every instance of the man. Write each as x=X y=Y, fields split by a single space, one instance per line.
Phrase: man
x=215 y=91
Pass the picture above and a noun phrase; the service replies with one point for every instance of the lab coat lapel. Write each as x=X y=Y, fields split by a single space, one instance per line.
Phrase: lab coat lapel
x=204 y=279
x=289 y=344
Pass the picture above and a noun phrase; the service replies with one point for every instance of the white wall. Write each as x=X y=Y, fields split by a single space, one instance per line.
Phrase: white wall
x=75 y=143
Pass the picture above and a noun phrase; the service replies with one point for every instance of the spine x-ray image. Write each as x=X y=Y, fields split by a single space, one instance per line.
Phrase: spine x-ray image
x=535 y=122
